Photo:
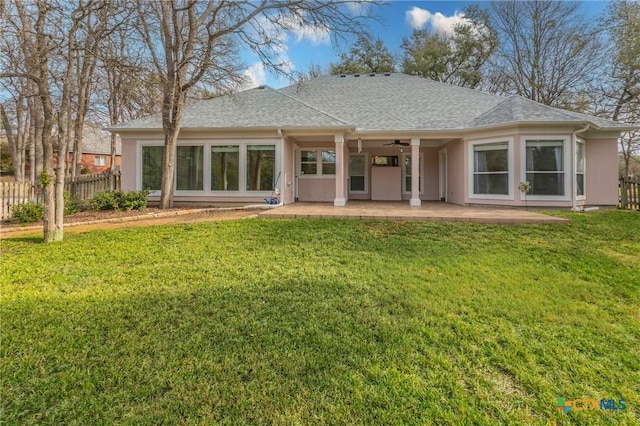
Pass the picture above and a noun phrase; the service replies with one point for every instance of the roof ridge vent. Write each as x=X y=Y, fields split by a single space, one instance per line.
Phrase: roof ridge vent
x=356 y=75
x=387 y=74
x=373 y=74
x=343 y=75
x=262 y=86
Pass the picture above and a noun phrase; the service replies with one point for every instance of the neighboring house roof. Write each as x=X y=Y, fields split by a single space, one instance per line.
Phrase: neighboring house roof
x=97 y=141
x=368 y=102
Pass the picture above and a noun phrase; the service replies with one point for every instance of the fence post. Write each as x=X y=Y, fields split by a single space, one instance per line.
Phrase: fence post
x=623 y=194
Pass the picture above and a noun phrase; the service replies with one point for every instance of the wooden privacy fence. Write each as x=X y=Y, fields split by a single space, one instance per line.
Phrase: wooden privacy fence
x=84 y=187
x=629 y=193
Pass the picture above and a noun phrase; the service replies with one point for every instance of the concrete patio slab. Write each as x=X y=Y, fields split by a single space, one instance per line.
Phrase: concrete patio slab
x=402 y=211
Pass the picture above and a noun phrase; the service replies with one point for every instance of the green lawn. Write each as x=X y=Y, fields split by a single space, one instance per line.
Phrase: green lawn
x=323 y=321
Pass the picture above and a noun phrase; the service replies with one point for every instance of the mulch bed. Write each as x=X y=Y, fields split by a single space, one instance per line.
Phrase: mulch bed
x=92 y=216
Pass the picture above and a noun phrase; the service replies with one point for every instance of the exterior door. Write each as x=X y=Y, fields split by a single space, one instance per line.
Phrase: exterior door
x=358 y=176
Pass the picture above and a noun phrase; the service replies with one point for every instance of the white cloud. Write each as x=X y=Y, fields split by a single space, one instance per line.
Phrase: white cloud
x=362 y=8
x=255 y=75
x=419 y=18
x=316 y=35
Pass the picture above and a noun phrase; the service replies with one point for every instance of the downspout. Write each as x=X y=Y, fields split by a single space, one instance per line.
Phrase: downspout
x=280 y=193
x=574 y=141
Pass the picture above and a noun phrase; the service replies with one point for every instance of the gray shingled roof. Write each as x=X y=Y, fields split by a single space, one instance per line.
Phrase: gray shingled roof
x=97 y=141
x=368 y=103
x=394 y=101
x=259 y=107
x=519 y=109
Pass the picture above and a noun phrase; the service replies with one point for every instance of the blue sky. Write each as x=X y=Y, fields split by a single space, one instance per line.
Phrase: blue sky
x=304 y=47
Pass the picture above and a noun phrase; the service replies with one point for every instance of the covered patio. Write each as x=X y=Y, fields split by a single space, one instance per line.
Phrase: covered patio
x=400 y=211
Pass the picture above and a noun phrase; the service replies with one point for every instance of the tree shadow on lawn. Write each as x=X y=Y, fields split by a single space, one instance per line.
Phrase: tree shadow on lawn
x=26 y=239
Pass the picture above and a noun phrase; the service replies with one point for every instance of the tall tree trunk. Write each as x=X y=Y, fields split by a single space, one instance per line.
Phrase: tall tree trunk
x=36 y=126
x=113 y=152
x=171 y=120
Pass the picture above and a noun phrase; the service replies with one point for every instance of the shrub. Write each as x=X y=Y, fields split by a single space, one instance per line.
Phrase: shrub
x=85 y=171
x=103 y=201
x=27 y=212
x=71 y=203
x=117 y=200
x=133 y=200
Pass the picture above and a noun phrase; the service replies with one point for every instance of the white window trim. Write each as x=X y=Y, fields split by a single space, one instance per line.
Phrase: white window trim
x=510 y=171
x=277 y=169
x=404 y=172
x=318 y=174
x=242 y=157
x=366 y=172
x=207 y=144
x=102 y=162
x=186 y=192
x=584 y=172
x=141 y=144
x=566 y=140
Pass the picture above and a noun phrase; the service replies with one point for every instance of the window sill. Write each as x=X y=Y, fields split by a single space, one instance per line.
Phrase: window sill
x=491 y=197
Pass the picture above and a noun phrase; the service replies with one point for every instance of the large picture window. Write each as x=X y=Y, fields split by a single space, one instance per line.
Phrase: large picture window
x=152 y=167
x=225 y=168
x=545 y=167
x=261 y=167
x=491 y=169
x=580 y=169
x=189 y=168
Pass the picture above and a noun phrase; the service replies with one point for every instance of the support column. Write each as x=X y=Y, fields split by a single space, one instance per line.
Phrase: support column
x=340 y=200
x=415 y=173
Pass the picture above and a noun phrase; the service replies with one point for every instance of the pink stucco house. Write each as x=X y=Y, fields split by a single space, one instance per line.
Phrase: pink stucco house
x=379 y=137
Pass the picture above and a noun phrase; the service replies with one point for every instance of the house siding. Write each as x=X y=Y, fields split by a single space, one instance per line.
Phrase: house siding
x=456 y=172
x=128 y=165
x=601 y=158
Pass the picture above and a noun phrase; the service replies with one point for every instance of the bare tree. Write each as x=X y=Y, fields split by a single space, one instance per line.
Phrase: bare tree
x=46 y=35
x=16 y=137
x=547 y=52
x=130 y=91
x=190 y=41
x=622 y=90
x=14 y=111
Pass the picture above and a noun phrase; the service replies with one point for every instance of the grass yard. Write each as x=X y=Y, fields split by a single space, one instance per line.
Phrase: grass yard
x=324 y=322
